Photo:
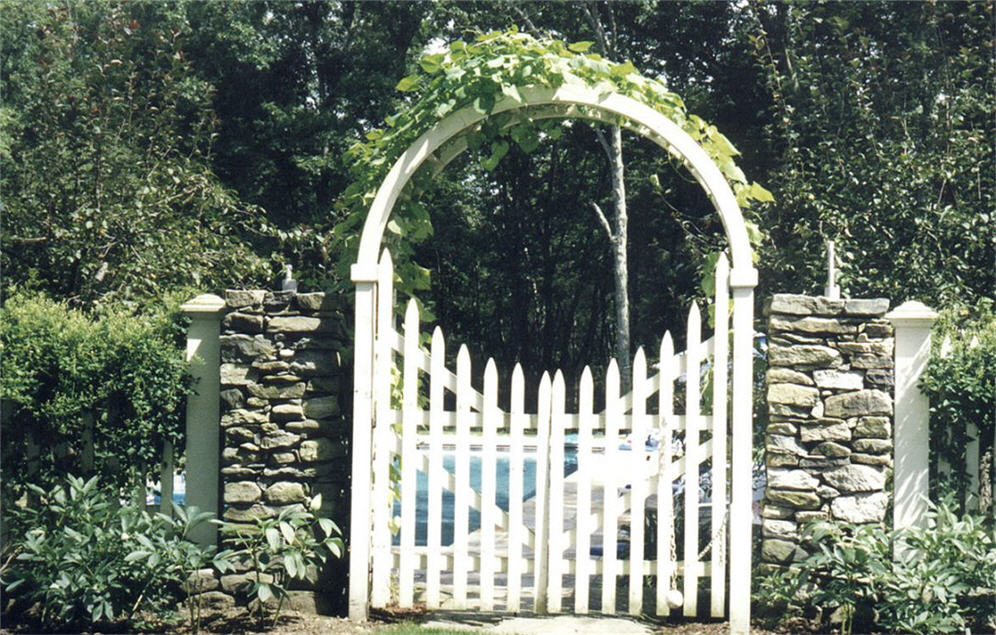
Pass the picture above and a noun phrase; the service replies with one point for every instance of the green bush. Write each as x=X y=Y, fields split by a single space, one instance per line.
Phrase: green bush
x=60 y=367
x=78 y=559
x=941 y=581
x=961 y=387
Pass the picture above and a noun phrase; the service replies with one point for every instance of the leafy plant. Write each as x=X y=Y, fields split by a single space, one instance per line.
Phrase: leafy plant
x=278 y=549
x=941 y=578
x=81 y=560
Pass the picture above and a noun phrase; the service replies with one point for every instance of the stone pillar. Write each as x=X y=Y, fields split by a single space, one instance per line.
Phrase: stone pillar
x=202 y=411
x=829 y=442
x=912 y=322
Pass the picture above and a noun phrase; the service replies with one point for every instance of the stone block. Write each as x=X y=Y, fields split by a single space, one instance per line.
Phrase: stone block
x=821 y=463
x=811 y=325
x=773 y=511
x=239 y=298
x=793 y=499
x=283 y=378
x=781 y=460
x=838 y=380
x=279 y=440
x=237 y=435
x=793 y=395
x=872 y=459
x=778 y=444
x=861 y=508
x=804 y=356
x=825 y=431
x=803 y=518
x=242 y=418
x=873 y=428
x=792 y=479
x=242 y=492
x=232 y=398
x=782 y=551
x=321 y=407
x=787 y=376
x=855 y=478
x=782 y=428
x=827 y=493
x=859 y=403
x=324 y=385
x=243 y=348
x=805 y=305
x=243 y=322
x=315 y=450
x=307 y=427
x=318 y=302
x=289 y=391
x=318 y=362
x=214 y=601
x=832 y=450
x=877 y=329
x=873 y=446
x=298 y=324
x=882 y=348
x=248 y=514
x=202 y=580
x=773 y=528
x=237 y=582
x=871 y=306
x=882 y=378
x=234 y=374
x=871 y=361
x=285 y=492
x=287 y=412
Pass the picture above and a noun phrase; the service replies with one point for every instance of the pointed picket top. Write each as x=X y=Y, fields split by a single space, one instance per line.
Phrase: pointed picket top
x=545 y=384
x=518 y=389
x=694 y=319
x=490 y=383
x=612 y=375
x=558 y=384
x=587 y=382
x=386 y=271
x=639 y=369
x=438 y=344
x=411 y=317
x=722 y=266
x=667 y=348
x=463 y=365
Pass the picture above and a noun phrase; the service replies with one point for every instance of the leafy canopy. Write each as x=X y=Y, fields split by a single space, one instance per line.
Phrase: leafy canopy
x=479 y=75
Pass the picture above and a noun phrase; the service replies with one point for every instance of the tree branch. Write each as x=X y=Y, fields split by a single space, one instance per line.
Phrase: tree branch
x=604 y=221
x=525 y=17
x=604 y=143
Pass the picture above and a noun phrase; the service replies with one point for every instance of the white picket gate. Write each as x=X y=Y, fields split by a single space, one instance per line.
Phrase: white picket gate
x=549 y=551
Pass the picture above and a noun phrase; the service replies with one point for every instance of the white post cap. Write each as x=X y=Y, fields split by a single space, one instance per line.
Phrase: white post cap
x=206 y=304
x=911 y=313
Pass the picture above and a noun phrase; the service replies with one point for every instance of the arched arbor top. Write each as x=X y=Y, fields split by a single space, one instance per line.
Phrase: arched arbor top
x=568 y=101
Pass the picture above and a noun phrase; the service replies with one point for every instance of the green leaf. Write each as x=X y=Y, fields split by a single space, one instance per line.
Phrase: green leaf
x=273 y=537
x=264 y=592
x=580 y=47
x=408 y=83
x=431 y=63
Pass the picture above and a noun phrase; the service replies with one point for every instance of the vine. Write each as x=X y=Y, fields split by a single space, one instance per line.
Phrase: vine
x=479 y=75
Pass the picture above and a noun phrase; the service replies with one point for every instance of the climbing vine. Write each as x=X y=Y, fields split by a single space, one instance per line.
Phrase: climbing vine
x=479 y=75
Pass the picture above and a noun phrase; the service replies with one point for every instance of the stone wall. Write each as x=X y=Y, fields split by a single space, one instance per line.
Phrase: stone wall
x=283 y=393
x=828 y=445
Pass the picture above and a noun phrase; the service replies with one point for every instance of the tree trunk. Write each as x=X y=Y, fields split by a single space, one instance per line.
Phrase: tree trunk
x=619 y=242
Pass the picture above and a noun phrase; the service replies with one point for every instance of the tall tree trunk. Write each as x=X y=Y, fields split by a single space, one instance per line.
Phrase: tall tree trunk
x=619 y=247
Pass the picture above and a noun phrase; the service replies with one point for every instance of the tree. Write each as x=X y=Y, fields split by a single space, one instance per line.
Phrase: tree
x=106 y=138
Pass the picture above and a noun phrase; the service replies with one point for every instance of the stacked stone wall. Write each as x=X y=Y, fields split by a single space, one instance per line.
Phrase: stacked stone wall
x=828 y=445
x=283 y=392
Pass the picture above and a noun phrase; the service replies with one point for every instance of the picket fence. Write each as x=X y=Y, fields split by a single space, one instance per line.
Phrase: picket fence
x=543 y=552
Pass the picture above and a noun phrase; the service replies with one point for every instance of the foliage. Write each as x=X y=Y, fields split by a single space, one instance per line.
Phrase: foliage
x=89 y=562
x=941 y=580
x=61 y=368
x=107 y=134
x=480 y=75
x=289 y=546
x=880 y=116
x=960 y=384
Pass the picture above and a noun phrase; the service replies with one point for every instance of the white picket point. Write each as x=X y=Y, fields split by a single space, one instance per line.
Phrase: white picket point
x=542 y=494
x=434 y=531
x=610 y=524
x=515 y=476
x=638 y=488
x=692 y=460
x=557 y=543
x=461 y=505
x=584 y=526
x=489 y=485
x=409 y=476
x=382 y=508
x=665 y=502
x=717 y=582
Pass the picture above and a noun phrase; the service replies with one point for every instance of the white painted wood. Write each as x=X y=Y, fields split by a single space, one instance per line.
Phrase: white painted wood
x=204 y=411
x=584 y=527
x=556 y=519
x=721 y=304
x=912 y=322
x=359 y=523
x=665 y=502
x=638 y=450
x=540 y=552
x=610 y=523
x=166 y=471
x=692 y=460
x=515 y=475
x=409 y=475
x=489 y=485
x=741 y=514
x=649 y=122
x=380 y=594
x=436 y=470
x=461 y=507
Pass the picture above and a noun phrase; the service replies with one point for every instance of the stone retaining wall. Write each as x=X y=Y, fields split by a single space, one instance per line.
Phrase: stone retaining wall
x=283 y=393
x=829 y=441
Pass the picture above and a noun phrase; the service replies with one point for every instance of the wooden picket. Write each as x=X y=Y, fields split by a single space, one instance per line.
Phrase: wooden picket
x=568 y=538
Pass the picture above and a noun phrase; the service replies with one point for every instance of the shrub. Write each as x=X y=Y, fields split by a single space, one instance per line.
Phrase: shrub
x=78 y=559
x=941 y=581
x=63 y=371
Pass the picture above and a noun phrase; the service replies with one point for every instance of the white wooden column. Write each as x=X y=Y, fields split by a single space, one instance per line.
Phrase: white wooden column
x=742 y=282
x=359 y=522
x=204 y=410
x=912 y=322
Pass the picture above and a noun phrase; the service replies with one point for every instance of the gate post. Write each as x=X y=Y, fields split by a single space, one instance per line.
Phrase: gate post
x=359 y=520
x=204 y=410
x=912 y=322
x=742 y=283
